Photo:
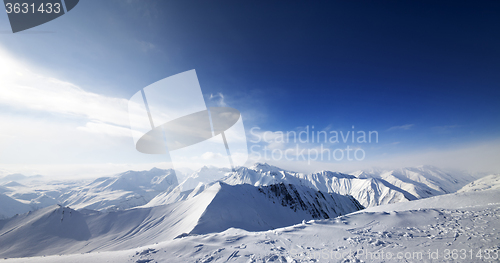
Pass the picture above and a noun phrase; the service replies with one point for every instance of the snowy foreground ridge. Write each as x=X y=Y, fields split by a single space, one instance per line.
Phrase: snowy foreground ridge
x=265 y=214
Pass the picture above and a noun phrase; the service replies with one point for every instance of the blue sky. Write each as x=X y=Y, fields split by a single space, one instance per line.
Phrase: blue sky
x=425 y=75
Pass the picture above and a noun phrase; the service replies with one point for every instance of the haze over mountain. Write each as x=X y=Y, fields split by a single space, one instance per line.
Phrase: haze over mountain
x=18 y=177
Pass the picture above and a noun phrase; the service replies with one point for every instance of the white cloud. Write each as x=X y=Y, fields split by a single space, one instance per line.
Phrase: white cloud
x=402 y=127
x=104 y=128
x=146 y=46
x=212 y=155
x=48 y=94
x=24 y=89
x=47 y=121
x=219 y=99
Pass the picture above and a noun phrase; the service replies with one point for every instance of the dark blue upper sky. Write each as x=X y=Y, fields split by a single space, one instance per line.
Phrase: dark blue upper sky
x=432 y=65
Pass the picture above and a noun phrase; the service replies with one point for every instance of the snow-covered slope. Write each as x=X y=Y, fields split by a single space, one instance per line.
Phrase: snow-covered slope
x=415 y=234
x=205 y=175
x=422 y=181
x=195 y=183
x=370 y=188
x=56 y=229
x=9 y=207
x=490 y=182
x=18 y=177
x=262 y=174
x=176 y=195
x=155 y=178
x=221 y=206
x=119 y=192
x=369 y=192
x=158 y=187
x=12 y=184
x=269 y=207
x=126 y=190
x=461 y=200
x=4 y=189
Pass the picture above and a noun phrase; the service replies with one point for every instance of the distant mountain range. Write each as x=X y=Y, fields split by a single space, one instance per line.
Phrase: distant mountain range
x=370 y=188
x=145 y=207
x=18 y=177
x=158 y=186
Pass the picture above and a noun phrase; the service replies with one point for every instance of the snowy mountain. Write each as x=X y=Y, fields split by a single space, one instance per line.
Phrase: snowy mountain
x=370 y=188
x=262 y=174
x=205 y=175
x=57 y=229
x=490 y=182
x=16 y=198
x=64 y=230
x=209 y=222
x=12 y=184
x=158 y=187
x=10 y=207
x=369 y=192
x=156 y=179
x=422 y=181
x=176 y=195
x=268 y=207
x=195 y=183
x=19 y=177
x=123 y=191
x=4 y=189
x=119 y=192
x=418 y=231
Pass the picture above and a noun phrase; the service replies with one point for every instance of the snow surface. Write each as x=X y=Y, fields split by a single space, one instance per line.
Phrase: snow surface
x=120 y=192
x=250 y=215
x=421 y=182
x=57 y=229
x=470 y=222
x=485 y=183
x=368 y=191
x=10 y=207
x=205 y=175
x=159 y=187
x=18 y=177
x=255 y=209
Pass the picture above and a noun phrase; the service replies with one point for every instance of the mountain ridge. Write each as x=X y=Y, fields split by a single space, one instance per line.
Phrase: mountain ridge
x=217 y=208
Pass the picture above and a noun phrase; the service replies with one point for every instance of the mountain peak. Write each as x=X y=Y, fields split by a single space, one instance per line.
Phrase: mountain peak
x=265 y=167
x=156 y=169
x=208 y=168
x=18 y=177
x=12 y=184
